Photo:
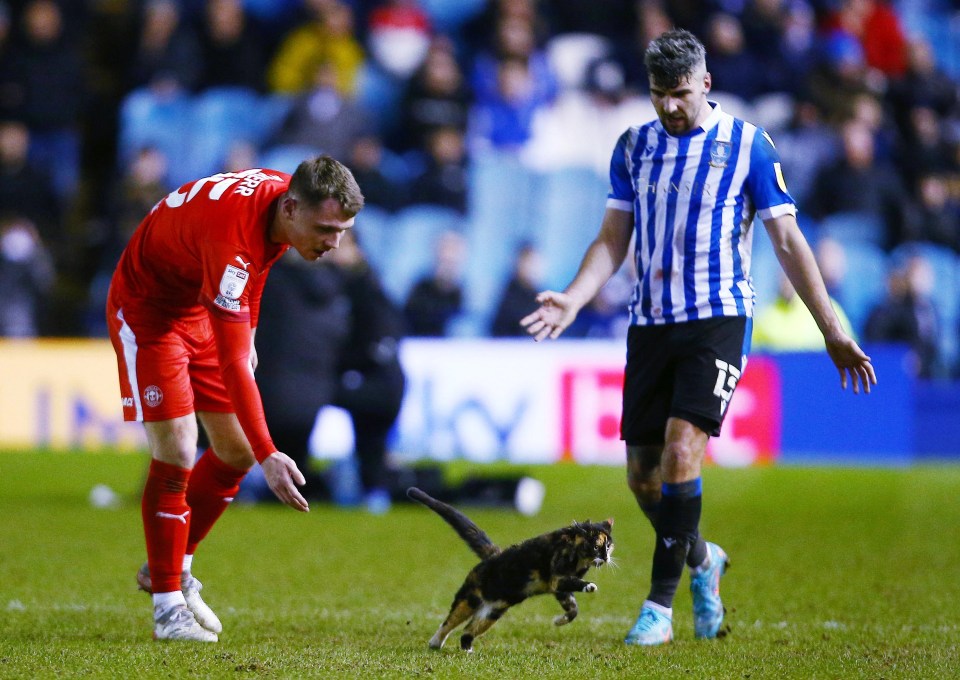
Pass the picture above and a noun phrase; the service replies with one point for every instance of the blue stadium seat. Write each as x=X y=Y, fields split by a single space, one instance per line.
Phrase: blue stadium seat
x=147 y=120
x=864 y=284
x=501 y=198
x=448 y=15
x=412 y=236
x=374 y=230
x=773 y=111
x=764 y=266
x=286 y=157
x=271 y=112
x=853 y=227
x=220 y=117
x=568 y=211
x=379 y=93
x=942 y=31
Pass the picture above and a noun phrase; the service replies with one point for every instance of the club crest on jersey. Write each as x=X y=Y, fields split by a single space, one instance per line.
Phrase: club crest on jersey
x=720 y=154
x=152 y=396
x=233 y=282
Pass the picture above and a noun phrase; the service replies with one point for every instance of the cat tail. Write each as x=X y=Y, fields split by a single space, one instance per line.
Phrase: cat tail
x=473 y=535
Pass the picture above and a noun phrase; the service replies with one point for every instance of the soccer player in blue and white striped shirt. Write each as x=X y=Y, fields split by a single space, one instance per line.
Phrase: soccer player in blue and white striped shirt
x=685 y=188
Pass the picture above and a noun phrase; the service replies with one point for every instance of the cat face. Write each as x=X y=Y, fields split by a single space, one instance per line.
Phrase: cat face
x=594 y=542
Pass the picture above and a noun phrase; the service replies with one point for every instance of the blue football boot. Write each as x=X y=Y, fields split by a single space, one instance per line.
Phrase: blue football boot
x=708 y=610
x=653 y=627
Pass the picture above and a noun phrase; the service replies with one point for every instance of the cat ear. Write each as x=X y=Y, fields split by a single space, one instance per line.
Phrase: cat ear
x=609 y=522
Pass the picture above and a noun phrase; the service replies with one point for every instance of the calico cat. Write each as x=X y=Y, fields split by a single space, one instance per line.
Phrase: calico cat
x=551 y=563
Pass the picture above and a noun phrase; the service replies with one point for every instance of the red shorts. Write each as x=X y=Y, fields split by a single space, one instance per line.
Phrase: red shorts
x=168 y=367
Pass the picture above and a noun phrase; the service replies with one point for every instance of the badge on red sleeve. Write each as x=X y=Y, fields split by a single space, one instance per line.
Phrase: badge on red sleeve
x=232 y=283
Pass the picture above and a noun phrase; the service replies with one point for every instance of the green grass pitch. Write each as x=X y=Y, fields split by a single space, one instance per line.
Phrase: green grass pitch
x=836 y=573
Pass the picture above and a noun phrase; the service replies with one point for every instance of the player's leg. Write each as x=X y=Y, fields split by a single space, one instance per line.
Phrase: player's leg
x=166 y=514
x=678 y=518
x=706 y=379
x=373 y=401
x=646 y=482
x=643 y=478
x=223 y=465
x=217 y=475
x=166 y=523
x=647 y=394
x=676 y=523
x=213 y=485
x=152 y=359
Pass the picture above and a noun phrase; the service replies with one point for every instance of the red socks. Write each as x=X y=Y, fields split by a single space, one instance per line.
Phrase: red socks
x=166 y=523
x=212 y=487
x=179 y=508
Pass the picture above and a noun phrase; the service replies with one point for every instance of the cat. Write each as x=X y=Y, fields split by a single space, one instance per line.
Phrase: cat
x=552 y=563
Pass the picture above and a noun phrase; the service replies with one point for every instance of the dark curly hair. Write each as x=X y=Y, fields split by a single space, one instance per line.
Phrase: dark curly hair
x=673 y=56
x=317 y=179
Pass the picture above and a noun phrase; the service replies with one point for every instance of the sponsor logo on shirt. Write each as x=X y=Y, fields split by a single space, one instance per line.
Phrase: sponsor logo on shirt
x=227 y=303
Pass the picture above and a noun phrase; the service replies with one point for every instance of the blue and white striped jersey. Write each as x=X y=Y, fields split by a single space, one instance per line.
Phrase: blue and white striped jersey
x=693 y=200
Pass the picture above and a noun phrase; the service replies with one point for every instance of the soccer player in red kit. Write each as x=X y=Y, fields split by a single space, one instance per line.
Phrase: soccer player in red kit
x=182 y=313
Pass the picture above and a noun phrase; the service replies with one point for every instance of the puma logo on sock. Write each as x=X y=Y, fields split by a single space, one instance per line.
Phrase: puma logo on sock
x=181 y=517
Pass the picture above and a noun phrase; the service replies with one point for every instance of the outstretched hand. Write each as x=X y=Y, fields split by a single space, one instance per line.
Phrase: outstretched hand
x=852 y=363
x=282 y=474
x=555 y=313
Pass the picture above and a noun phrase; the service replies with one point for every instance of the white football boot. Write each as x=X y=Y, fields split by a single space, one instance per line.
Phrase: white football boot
x=178 y=623
x=191 y=588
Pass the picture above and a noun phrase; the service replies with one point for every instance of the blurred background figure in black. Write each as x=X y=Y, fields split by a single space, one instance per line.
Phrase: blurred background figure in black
x=323 y=119
x=371 y=380
x=26 y=276
x=438 y=297
x=908 y=316
x=519 y=297
x=304 y=323
x=330 y=336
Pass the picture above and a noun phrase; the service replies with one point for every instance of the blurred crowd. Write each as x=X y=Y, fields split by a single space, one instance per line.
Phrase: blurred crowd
x=107 y=105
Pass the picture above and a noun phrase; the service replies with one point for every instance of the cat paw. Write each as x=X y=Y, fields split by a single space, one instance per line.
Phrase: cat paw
x=435 y=643
x=560 y=620
x=590 y=588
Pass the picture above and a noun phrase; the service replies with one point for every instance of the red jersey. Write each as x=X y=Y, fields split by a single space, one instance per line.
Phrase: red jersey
x=205 y=244
x=204 y=249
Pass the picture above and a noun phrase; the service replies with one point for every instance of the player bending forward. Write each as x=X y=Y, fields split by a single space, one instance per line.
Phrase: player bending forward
x=182 y=313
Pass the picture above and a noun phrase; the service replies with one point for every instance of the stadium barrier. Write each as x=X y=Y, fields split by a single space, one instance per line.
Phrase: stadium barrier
x=515 y=400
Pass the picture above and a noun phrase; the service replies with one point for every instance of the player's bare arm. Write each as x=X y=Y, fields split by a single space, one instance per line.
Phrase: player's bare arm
x=601 y=261
x=254 y=361
x=800 y=266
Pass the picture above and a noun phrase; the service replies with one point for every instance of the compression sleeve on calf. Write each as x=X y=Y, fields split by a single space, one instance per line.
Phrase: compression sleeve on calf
x=233 y=353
